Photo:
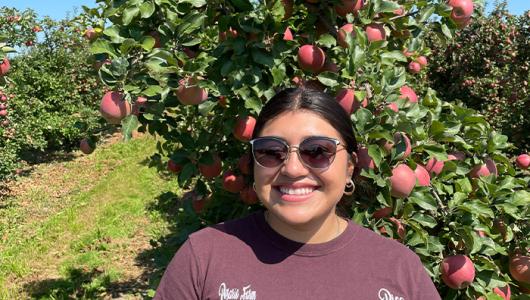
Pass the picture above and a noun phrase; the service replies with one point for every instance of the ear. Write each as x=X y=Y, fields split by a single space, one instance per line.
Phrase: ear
x=352 y=162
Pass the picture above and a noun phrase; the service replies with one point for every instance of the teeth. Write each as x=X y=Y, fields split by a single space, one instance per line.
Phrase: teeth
x=300 y=191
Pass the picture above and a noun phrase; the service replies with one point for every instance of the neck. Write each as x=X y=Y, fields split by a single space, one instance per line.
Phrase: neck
x=314 y=232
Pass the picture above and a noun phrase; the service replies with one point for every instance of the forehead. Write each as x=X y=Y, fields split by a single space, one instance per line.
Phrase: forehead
x=293 y=126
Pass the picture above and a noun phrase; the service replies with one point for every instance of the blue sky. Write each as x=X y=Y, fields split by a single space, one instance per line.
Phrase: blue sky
x=59 y=9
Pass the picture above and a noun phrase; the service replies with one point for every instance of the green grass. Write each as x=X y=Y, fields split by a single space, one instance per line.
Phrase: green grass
x=88 y=231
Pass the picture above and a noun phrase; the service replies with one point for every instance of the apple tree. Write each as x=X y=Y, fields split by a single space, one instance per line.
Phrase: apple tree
x=49 y=91
x=432 y=174
x=489 y=67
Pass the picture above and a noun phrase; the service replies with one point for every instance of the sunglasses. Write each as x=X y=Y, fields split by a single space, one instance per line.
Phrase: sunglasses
x=313 y=152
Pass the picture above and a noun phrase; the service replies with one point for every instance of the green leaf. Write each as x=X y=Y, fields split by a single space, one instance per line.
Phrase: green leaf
x=147 y=9
x=206 y=107
x=113 y=32
x=195 y=3
x=477 y=207
x=278 y=75
x=128 y=125
x=424 y=200
x=262 y=57
x=446 y=31
x=393 y=56
x=425 y=220
x=327 y=40
x=129 y=14
x=102 y=46
x=328 y=79
x=148 y=42
x=152 y=90
x=386 y=6
x=521 y=198
x=426 y=13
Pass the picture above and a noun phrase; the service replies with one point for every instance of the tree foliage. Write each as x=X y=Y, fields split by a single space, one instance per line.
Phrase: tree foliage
x=487 y=65
x=241 y=53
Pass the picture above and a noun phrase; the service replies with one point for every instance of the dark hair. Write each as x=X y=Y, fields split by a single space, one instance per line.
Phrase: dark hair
x=318 y=102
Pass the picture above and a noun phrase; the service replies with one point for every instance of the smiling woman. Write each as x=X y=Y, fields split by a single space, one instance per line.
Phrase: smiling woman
x=304 y=152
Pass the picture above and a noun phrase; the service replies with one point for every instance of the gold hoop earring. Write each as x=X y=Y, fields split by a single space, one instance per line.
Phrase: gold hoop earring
x=350 y=188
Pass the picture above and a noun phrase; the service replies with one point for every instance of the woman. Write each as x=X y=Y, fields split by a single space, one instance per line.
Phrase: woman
x=299 y=248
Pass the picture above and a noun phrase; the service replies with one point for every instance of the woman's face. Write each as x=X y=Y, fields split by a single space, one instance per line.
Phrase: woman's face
x=292 y=192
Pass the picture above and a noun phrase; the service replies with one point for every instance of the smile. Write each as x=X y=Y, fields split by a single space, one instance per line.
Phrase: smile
x=298 y=191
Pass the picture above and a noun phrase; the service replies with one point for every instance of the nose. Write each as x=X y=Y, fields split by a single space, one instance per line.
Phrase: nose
x=292 y=166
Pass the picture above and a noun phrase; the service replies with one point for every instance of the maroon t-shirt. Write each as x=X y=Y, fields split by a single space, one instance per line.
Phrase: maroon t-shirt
x=247 y=259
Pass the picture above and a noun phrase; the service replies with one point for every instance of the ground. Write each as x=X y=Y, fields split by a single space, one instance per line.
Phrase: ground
x=88 y=226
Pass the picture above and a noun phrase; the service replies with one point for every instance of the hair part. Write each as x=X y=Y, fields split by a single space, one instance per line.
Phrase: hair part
x=320 y=103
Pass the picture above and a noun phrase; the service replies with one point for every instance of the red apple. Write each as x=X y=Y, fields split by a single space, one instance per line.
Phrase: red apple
x=311 y=58
x=408 y=93
x=5 y=123
x=414 y=67
x=456 y=156
x=520 y=268
x=173 y=167
x=348 y=6
x=504 y=292
x=140 y=103
x=434 y=166
x=223 y=101
x=3 y=113
x=248 y=195
x=287 y=8
x=189 y=53
x=364 y=161
x=400 y=228
x=330 y=67
x=399 y=11
x=399 y=137
x=422 y=60
x=36 y=28
x=189 y=93
x=375 y=32
x=523 y=161
x=3 y=106
x=393 y=106
x=422 y=175
x=90 y=34
x=458 y=271
x=211 y=170
x=156 y=36
x=85 y=146
x=230 y=33
x=244 y=128
x=484 y=170
x=4 y=66
x=343 y=32
x=402 y=181
x=462 y=10
x=233 y=183
x=287 y=35
x=244 y=164
x=114 y=107
x=382 y=213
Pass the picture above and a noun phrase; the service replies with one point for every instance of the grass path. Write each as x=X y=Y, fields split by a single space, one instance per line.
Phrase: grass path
x=87 y=227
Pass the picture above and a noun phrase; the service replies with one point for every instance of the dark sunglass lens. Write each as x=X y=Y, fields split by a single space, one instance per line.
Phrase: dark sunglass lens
x=269 y=152
x=318 y=153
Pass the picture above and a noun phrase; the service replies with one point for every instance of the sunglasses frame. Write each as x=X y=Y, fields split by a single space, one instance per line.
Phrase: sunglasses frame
x=296 y=148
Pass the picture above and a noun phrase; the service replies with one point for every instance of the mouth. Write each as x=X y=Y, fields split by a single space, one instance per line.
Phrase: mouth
x=296 y=193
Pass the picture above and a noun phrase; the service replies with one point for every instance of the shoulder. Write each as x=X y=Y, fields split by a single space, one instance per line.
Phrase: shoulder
x=367 y=241
x=228 y=233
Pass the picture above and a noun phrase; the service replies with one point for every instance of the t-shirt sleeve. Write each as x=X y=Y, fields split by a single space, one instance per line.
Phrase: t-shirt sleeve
x=425 y=287
x=181 y=278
